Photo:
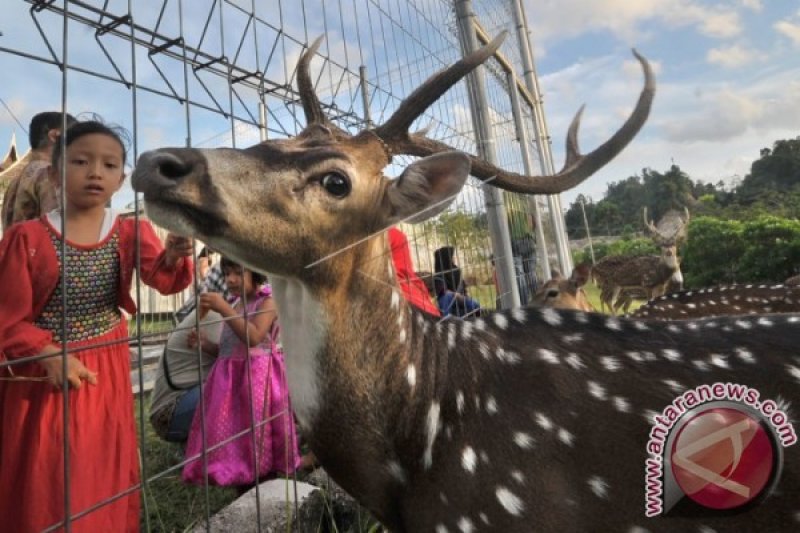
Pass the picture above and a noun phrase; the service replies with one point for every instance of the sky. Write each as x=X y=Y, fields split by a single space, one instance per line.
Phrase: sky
x=728 y=81
x=727 y=71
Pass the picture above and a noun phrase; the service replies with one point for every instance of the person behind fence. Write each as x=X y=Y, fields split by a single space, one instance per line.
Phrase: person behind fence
x=452 y=303
x=31 y=193
x=248 y=378
x=412 y=286
x=445 y=267
x=176 y=389
x=214 y=281
x=95 y=265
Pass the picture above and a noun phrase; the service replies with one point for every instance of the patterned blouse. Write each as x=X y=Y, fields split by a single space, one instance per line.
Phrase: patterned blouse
x=92 y=283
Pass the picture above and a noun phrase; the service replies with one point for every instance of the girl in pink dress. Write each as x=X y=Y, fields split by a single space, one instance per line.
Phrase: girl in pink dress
x=246 y=388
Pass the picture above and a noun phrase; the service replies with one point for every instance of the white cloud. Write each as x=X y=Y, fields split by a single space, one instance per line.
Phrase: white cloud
x=712 y=128
x=755 y=5
x=732 y=56
x=790 y=30
x=552 y=20
x=722 y=25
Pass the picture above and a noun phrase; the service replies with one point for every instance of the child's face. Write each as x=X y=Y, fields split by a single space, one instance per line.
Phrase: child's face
x=94 y=170
x=238 y=280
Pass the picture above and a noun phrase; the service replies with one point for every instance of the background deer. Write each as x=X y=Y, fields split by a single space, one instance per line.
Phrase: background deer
x=528 y=419
x=725 y=300
x=652 y=274
x=565 y=293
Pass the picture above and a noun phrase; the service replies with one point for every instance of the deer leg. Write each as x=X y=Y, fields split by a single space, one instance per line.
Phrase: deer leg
x=613 y=301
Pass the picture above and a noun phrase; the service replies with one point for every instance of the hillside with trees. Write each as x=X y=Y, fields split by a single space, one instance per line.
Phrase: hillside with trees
x=771 y=187
x=745 y=232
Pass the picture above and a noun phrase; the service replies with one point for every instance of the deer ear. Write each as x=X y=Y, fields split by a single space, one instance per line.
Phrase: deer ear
x=426 y=187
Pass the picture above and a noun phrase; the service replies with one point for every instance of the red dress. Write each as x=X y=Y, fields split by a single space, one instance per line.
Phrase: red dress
x=413 y=288
x=103 y=456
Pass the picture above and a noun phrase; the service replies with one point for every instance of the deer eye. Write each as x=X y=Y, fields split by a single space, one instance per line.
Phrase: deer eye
x=552 y=293
x=336 y=184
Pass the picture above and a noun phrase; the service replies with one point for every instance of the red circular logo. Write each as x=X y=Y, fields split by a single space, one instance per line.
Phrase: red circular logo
x=722 y=458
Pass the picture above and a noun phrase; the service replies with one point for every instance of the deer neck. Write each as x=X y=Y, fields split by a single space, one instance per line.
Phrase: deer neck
x=343 y=328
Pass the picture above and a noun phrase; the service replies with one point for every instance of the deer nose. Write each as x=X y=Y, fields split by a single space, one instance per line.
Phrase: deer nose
x=159 y=169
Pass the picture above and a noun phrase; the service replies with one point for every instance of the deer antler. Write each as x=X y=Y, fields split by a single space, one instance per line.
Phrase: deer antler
x=648 y=224
x=308 y=97
x=396 y=139
x=577 y=166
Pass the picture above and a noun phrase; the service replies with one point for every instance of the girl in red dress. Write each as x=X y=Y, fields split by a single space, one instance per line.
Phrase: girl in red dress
x=101 y=484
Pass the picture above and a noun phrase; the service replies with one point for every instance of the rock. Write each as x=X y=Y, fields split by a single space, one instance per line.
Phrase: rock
x=241 y=515
x=322 y=507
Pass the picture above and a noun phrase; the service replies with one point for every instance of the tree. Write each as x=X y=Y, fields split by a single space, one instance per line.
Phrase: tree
x=777 y=169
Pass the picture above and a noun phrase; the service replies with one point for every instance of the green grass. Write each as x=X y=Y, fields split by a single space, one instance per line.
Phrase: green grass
x=150 y=327
x=485 y=294
x=593 y=294
x=172 y=505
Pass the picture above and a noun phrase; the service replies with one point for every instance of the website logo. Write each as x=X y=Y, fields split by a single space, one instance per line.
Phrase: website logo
x=717 y=446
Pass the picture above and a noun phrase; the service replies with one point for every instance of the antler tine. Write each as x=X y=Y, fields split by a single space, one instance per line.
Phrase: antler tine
x=426 y=94
x=577 y=167
x=649 y=223
x=308 y=97
x=573 y=152
x=682 y=227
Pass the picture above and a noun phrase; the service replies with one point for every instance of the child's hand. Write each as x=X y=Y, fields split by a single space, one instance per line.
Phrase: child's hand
x=212 y=301
x=76 y=372
x=176 y=248
x=195 y=338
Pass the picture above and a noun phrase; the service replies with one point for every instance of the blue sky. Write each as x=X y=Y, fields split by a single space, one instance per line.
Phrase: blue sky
x=728 y=76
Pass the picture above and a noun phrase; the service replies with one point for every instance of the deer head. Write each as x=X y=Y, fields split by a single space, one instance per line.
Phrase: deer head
x=678 y=229
x=565 y=293
x=457 y=425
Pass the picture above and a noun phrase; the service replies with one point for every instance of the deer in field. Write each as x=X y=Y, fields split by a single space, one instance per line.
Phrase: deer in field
x=525 y=420
x=617 y=275
x=565 y=293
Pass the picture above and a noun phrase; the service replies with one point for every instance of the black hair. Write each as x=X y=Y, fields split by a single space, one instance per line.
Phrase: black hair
x=89 y=127
x=227 y=263
x=42 y=123
x=443 y=258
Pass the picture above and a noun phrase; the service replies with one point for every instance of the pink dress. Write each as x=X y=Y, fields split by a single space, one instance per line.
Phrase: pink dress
x=228 y=414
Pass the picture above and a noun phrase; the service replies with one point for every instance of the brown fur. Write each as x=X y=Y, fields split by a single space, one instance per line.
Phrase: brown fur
x=392 y=402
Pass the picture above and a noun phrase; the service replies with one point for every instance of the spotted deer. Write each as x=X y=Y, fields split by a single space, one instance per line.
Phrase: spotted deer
x=725 y=300
x=619 y=277
x=565 y=293
x=529 y=419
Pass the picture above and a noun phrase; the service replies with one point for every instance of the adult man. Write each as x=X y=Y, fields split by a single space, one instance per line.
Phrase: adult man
x=30 y=194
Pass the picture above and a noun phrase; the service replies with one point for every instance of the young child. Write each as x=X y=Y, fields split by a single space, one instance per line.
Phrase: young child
x=37 y=319
x=238 y=383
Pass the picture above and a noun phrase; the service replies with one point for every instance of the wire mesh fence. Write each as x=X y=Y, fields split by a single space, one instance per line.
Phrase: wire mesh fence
x=211 y=73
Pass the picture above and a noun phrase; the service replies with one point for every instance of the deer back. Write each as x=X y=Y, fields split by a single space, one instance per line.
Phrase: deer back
x=640 y=271
x=721 y=301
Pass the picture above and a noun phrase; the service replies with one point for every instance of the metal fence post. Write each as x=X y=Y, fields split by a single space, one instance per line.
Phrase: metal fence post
x=542 y=137
x=493 y=197
x=522 y=135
